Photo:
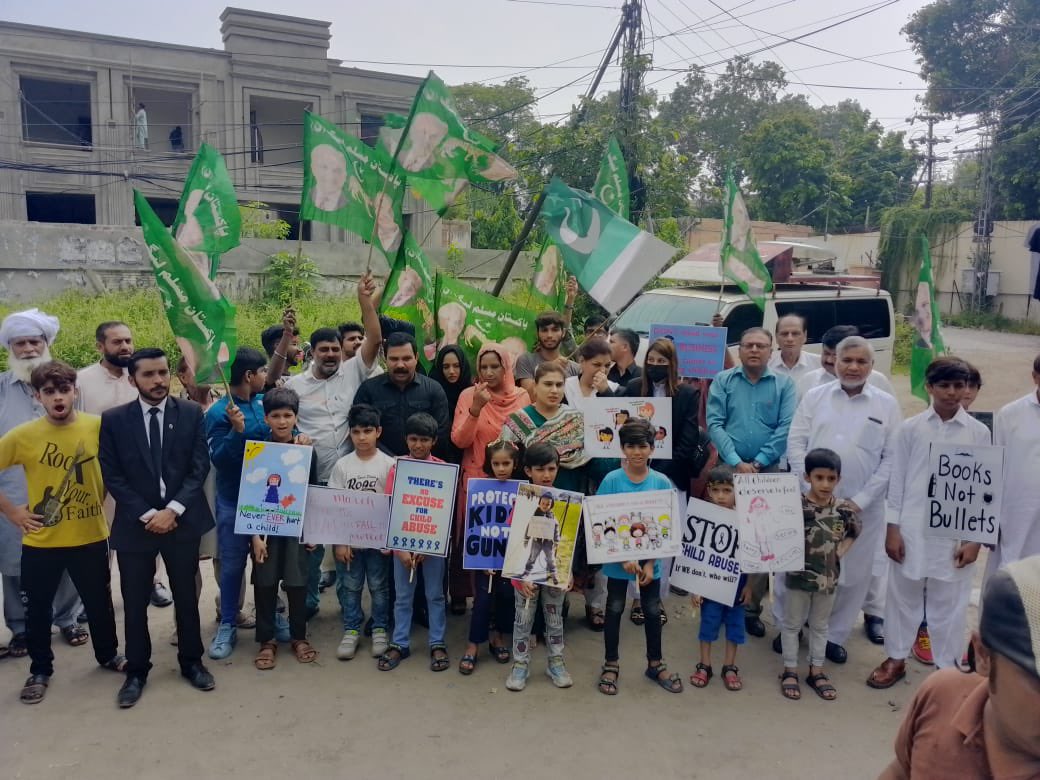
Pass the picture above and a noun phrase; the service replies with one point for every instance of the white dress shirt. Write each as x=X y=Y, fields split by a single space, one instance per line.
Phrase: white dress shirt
x=99 y=391
x=861 y=429
x=908 y=503
x=176 y=506
x=1017 y=428
x=574 y=396
x=807 y=361
x=820 y=376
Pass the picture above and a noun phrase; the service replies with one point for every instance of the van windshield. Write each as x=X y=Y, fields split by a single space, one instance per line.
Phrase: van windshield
x=655 y=308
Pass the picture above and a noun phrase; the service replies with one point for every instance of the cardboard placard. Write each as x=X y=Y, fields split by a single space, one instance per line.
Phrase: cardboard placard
x=605 y=416
x=701 y=349
x=965 y=491
x=489 y=503
x=542 y=535
x=770 y=522
x=631 y=526
x=357 y=518
x=708 y=565
x=422 y=506
x=272 y=495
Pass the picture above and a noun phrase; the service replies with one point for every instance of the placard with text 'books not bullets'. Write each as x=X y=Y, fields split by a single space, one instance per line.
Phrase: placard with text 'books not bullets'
x=422 y=506
x=965 y=489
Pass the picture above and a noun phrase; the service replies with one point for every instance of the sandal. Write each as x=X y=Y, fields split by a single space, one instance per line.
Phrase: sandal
x=264 y=660
x=732 y=681
x=393 y=656
x=791 y=690
x=35 y=689
x=822 y=685
x=888 y=674
x=116 y=663
x=500 y=653
x=439 y=659
x=4 y=652
x=304 y=651
x=664 y=617
x=671 y=683
x=75 y=635
x=701 y=677
x=608 y=685
x=595 y=618
x=467 y=664
x=637 y=616
x=18 y=647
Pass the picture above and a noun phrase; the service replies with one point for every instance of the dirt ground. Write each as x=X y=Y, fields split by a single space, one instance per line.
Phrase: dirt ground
x=348 y=719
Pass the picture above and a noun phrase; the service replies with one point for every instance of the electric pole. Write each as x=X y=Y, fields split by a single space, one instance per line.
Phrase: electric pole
x=930 y=159
x=632 y=68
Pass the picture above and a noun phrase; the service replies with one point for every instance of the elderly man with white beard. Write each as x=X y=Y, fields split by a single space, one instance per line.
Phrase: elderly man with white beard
x=859 y=422
x=27 y=336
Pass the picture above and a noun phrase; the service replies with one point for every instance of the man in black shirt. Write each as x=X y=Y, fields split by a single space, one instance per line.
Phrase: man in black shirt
x=624 y=344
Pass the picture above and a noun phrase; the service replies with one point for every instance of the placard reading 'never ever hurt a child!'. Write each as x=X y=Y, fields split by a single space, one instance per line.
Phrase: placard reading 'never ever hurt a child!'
x=273 y=492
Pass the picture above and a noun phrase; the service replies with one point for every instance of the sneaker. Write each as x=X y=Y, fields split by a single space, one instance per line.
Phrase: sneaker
x=281 y=629
x=922 y=648
x=348 y=645
x=224 y=642
x=557 y=672
x=380 y=642
x=517 y=679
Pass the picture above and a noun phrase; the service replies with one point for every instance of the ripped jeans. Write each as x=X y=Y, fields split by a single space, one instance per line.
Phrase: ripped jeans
x=552 y=608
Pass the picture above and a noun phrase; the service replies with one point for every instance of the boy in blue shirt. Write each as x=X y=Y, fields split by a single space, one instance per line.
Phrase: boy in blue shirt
x=635 y=476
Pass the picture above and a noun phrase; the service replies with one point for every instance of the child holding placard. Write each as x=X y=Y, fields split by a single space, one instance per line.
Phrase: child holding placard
x=715 y=615
x=635 y=476
x=420 y=436
x=367 y=468
x=492 y=595
x=281 y=559
x=541 y=464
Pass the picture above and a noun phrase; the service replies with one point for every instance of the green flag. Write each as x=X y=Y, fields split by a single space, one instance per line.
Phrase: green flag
x=612 y=258
x=410 y=295
x=435 y=144
x=202 y=320
x=611 y=185
x=208 y=220
x=348 y=183
x=470 y=317
x=547 y=285
x=928 y=340
x=440 y=194
x=739 y=260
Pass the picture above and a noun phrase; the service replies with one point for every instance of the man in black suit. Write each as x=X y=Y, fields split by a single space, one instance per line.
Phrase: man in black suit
x=154 y=460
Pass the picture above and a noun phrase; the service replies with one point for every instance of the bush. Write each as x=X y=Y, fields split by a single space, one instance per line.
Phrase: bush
x=903 y=346
x=80 y=314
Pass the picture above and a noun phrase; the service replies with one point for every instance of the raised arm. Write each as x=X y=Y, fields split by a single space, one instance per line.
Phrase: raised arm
x=366 y=292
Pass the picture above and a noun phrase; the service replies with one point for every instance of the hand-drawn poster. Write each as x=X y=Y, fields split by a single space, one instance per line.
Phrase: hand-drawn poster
x=632 y=526
x=770 y=522
x=422 y=506
x=489 y=503
x=605 y=416
x=965 y=491
x=357 y=518
x=542 y=536
x=273 y=492
x=708 y=565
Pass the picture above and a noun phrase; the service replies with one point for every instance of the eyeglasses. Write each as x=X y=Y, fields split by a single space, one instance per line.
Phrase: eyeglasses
x=755 y=346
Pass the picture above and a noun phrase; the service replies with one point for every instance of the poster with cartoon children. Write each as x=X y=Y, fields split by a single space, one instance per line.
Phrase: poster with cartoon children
x=542 y=535
x=770 y=525
x=631 y=526
x=272 y=495
x=605 y=416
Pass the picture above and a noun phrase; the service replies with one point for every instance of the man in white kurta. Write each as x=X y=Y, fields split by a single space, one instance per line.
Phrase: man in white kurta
x=945 y=566
x=828 y=355
x=859 y=422
x=1016 y=427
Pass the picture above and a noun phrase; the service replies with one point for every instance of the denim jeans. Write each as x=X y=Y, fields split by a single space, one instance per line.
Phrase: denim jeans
x=369 y=565
x=552 y=608
x=651 y=599
x=433 y=568
x=233 y=551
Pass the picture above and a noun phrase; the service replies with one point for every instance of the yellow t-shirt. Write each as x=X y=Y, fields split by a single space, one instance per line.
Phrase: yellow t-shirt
x=64 y=477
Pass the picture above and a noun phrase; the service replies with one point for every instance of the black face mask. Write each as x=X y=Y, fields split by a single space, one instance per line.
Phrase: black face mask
x=657 y=373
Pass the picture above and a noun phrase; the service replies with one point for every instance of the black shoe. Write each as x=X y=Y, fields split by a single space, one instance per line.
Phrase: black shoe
x=82 y=618
x=199 y=677
x=836 y=653
x=874 y=628
x=161 y=596
x=312 y=612
x=327 y=580
x=778 y=646
x=130 y=692
x=754 y=626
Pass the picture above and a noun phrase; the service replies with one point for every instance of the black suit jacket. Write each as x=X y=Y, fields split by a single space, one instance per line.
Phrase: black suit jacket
x=126 y=466
x=690 y=445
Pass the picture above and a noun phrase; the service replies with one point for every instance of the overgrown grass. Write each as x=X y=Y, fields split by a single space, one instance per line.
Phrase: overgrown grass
x=992 y=321
x=80 y=314
x=902 y=347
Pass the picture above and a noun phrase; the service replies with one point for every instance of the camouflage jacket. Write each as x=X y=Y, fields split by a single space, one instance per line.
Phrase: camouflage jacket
x=829 y=532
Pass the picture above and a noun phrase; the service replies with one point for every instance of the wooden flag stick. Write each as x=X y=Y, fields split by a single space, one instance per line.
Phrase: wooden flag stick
x=491 y=581
x=411 y=573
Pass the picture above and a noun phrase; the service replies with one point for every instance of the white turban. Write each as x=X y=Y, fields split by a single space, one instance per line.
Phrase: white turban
x=31 y=323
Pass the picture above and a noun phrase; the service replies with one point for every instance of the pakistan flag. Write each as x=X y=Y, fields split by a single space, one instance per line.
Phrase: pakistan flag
x=739 y=260
x=611 y=187
x=350 y=184
x=612 y=258
x=470 y=317
x=410 y=294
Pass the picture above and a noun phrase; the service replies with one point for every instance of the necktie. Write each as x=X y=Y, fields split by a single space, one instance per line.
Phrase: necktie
x=155 y=441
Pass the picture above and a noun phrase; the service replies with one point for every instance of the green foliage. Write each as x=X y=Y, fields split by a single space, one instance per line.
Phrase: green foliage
x=257 y=222
x=991 y=321
x=290 y=278
x=903 y=346
x=79 y=314
x=456 y=257
x=899 y=248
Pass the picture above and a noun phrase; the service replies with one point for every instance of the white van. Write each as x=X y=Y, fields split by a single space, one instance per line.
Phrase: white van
x=823 y=306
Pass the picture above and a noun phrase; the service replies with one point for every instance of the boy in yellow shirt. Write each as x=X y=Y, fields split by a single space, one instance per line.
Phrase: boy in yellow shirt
x=63 y=525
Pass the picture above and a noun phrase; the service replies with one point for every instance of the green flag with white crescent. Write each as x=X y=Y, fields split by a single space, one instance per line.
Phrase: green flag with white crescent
x=612 y=258
x=410 y=295
x=348 y=183
x=739 y=260
x=928 y=340
x=208 y=219
x=202 y=320
x=611 y=185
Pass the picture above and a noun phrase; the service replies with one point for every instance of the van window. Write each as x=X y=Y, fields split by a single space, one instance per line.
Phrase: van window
x=870 y=315
x=739 y=319
x=661 y=309
x=820 y=316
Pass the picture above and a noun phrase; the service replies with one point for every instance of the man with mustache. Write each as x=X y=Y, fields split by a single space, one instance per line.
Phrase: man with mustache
x=27 y=336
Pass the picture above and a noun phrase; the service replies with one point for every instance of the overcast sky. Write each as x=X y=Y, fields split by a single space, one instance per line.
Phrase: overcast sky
x=488 y=40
